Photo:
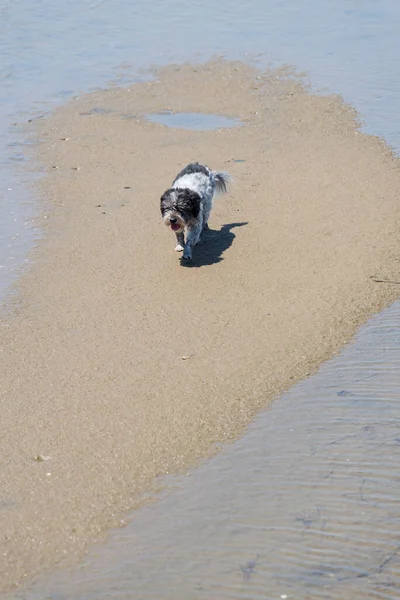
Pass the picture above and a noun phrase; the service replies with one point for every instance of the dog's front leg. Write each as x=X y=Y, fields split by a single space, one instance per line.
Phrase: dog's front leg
x=193 y=236
x=180 y=242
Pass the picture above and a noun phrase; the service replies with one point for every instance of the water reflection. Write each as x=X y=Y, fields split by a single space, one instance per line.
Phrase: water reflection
x=196 y=121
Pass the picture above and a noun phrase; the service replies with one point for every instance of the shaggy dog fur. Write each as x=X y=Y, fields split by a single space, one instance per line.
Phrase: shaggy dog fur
x=186 y=206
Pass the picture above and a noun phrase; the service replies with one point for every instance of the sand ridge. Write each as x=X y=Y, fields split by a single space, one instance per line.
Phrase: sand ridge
x=93 y=375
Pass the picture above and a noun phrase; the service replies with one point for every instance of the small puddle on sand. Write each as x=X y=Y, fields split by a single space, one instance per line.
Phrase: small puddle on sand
x=304 y=506
x=197 y=121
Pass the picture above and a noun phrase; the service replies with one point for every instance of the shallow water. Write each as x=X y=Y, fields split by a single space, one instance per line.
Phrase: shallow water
x=305 y=505
x=51 y=51
x=196 y=121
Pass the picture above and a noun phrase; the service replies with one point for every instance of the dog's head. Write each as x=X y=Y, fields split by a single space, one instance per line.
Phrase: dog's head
x=179 y=208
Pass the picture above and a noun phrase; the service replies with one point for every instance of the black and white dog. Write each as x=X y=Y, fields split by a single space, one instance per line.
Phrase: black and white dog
x=186 y=206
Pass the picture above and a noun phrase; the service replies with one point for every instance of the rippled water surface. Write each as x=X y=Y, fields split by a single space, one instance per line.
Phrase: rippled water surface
x=306 y=505
x=50 y=51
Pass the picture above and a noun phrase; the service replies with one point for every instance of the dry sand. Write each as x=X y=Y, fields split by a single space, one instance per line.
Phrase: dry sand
x=92 y=370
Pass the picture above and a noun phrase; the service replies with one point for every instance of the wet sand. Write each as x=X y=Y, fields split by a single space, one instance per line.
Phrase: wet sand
x=92 y=368
x=304 y=504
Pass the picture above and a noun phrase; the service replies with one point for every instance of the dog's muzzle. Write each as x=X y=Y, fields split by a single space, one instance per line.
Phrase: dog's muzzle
x=175 y=222
x=175 y=225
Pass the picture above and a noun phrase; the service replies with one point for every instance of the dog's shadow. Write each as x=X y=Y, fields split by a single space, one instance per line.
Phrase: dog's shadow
x=210 y=251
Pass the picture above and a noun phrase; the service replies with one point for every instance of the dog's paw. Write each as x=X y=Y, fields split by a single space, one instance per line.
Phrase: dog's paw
x=178 y=248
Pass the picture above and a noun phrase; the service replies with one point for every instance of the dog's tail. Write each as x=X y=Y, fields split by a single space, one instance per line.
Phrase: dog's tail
x=222 y=179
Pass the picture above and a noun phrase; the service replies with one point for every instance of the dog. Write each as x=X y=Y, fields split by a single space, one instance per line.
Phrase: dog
x=186 y=206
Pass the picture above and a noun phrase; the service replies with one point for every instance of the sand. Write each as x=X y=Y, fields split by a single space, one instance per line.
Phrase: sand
x=93 y=373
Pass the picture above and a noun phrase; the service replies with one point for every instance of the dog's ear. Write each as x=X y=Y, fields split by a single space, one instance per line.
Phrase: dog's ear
x=165 y=201
x=191 y=201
